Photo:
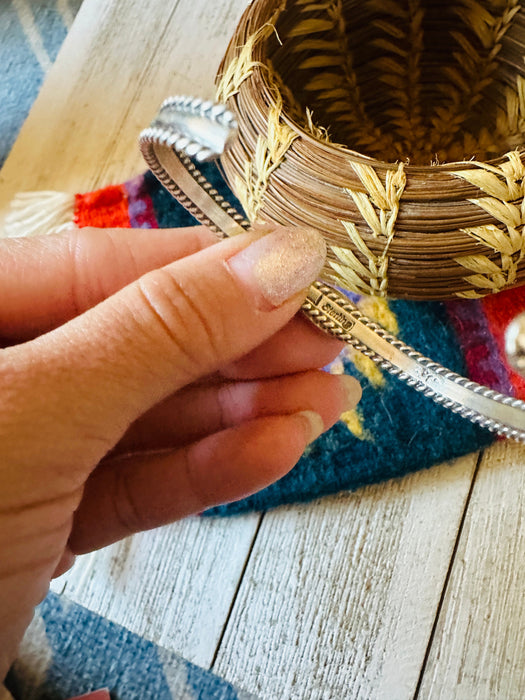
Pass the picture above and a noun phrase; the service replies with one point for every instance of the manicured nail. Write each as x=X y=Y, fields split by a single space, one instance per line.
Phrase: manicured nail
x=280 y=264
x=352 y=392
x=315 y=424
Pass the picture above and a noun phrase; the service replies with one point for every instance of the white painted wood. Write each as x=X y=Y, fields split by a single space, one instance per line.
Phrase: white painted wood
x=185 y=61
x=118 y=63
x=173 y=585
x=339 y=597
x=478 y=650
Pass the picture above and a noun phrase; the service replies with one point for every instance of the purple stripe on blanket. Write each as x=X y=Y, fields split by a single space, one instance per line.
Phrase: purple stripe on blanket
x=479 y=346
x=140 y=205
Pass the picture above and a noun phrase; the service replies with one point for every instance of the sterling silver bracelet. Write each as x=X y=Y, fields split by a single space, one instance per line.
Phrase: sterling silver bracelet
x=186 y=126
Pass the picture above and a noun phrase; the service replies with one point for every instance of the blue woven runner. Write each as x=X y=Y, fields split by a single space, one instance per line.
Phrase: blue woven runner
x=69 y=651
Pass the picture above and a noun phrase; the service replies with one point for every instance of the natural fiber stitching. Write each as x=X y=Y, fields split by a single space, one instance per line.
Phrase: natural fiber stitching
x=510 y=123
x=336 y=87
x=399 y=69
x=239 y=69
x=350 y=271
x=467 y=80
x=318 y=131
x=504 y=185
x=379 y=207
x=494 y=230
x=290 y=103
x=269 y=154
x=242 y=65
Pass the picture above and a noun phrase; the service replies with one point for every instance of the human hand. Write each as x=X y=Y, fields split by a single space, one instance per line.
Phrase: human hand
x=137 y=390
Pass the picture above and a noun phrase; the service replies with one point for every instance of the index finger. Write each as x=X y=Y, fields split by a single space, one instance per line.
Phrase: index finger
x=48 y=280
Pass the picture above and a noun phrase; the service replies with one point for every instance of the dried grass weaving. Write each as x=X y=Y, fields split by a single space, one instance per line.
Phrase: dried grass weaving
x=393 y=126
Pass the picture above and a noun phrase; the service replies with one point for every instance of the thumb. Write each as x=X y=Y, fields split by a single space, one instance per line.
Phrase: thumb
x=97 y=373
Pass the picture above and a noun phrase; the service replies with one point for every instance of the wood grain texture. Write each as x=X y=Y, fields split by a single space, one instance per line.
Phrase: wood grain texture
x=478 y=650
x=339 y=597
x=173 y=585
x=118 y=63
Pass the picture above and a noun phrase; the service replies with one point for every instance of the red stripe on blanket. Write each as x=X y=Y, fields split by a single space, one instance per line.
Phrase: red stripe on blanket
x=103 y=208
x=500 y=309
x=480 y=349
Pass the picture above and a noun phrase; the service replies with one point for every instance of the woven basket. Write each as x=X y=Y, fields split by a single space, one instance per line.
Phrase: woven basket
x=395 y=127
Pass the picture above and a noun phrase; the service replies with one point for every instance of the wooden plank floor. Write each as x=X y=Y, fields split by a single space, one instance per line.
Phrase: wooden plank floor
x=408 y=589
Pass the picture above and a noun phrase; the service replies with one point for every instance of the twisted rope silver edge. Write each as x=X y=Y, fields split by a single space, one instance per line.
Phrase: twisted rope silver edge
x=185 y=148
x=170 y=139
x=146 y=143
x=325 y=323
x=161 y=131
x=203 y=108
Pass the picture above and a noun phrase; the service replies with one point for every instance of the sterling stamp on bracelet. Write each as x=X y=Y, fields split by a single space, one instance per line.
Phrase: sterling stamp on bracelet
x=396 y=129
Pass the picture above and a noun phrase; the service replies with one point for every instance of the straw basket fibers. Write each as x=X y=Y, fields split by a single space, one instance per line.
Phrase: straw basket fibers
x=396 y=128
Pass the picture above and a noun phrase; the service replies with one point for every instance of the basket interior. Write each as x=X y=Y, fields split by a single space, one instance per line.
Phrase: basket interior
x=420 y=81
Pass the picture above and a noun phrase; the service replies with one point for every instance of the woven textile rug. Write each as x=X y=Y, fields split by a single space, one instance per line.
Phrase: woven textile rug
x=394 y=430
x=53 y=663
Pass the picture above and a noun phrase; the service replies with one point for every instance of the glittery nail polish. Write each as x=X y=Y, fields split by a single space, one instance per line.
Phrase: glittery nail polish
x=280 y=264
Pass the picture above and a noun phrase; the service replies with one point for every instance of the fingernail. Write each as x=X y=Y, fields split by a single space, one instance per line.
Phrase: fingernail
x=314 y=424
x=280 y=264
x=352 y=392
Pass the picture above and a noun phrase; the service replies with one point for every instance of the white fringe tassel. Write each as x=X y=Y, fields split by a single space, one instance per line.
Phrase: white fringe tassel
x=39 y=213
